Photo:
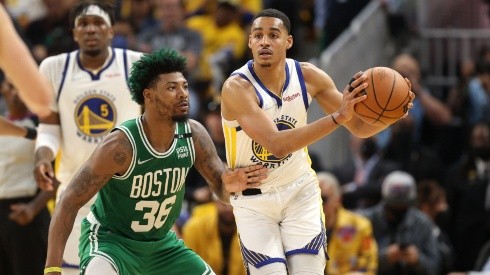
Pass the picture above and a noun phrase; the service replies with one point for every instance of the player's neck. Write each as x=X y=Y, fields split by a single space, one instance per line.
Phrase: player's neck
x=273 y=77
x=159 y=133
x=95 y=63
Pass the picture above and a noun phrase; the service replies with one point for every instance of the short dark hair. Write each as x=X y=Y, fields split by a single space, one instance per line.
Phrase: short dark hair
x=82 y=6
x=276 y=14
x=145 y=72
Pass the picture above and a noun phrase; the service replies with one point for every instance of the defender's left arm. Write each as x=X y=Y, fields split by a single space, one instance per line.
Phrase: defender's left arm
x=221 y=180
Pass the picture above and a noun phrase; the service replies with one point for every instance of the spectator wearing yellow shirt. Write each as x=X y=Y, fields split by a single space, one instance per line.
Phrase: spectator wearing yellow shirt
x=213 y=235
x=224 y=43
x=351 y=245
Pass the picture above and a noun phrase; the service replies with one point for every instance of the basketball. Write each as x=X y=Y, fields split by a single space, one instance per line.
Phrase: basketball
x=387 y=97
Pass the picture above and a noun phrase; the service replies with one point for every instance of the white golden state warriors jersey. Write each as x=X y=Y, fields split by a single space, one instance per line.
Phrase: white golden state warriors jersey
x=89 y=105
x=288 y=111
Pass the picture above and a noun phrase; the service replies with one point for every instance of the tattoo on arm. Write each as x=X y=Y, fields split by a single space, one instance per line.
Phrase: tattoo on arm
x=207 y=162
x=87 y=183
x=124 y=154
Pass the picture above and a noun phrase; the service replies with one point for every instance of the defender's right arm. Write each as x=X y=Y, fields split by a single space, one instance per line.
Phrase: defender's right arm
x=112 y=156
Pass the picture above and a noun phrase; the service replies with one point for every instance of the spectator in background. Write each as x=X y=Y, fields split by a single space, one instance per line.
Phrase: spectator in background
x=247 y=8
x=431 y=199
x=351 y=244
x=402 y=19
x=423 y=126
x=24 y=217
x=141 y=15
x=404 y=234
x=427 y=107
x=213 y=236
x=139 y=18
x=224 y=44
x=332 y=17
x=468 y=193
x=479 y=91
x=362 y=175
x=50 y=35
x=421 y=161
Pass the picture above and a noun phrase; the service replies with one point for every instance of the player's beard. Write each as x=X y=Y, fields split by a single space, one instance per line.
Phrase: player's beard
x=265 y=65
x=180 y=118
x=92 y=53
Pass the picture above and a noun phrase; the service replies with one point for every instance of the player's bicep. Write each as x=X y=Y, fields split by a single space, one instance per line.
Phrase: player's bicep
x=113 y=156
x=321 y=86
x=240 y=103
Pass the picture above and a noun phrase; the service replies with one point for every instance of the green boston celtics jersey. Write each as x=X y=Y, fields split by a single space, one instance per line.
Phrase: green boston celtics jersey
x=144 y=203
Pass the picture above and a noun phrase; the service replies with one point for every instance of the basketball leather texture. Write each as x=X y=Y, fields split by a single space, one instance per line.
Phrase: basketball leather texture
x=387 y=97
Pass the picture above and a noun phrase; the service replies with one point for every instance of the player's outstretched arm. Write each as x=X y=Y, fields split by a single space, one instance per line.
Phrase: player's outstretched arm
x=112 y=156
x=222 y=180
x=239 y=102
x=321 y=86
x=20 y=67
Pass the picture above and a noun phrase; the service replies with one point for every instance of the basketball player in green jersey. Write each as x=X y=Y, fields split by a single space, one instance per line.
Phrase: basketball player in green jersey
x=139 y=172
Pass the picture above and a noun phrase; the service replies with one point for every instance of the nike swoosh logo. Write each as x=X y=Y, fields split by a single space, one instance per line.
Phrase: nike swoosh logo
x=143 y=161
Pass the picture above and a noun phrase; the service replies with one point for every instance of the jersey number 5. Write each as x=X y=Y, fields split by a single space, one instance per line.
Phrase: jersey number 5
x=153 y=218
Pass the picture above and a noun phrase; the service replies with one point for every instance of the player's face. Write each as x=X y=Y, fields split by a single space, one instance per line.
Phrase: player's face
x=92 y=34
x=170 y=97
x=269 y=41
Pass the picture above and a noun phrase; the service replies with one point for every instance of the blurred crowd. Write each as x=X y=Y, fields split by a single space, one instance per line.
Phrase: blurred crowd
x=415 y=199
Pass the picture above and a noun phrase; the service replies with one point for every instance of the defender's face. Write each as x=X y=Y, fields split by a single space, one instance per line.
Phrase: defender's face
x=269 y=41
x=169 y=97
x=92 y=34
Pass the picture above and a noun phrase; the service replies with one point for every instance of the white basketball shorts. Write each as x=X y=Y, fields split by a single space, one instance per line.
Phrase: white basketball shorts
x=281 y=222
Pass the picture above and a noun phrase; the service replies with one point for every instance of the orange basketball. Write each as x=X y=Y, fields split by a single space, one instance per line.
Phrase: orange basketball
x=387 y=97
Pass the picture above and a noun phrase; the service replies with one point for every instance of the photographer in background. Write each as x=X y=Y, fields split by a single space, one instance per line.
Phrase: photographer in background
x=406 y=242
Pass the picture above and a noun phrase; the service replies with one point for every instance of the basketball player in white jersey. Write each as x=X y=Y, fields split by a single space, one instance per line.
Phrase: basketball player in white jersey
x=91 y=96
x=264 y=106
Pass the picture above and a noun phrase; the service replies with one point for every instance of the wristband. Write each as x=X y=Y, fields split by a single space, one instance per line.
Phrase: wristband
x=52 y=269
x=48 y=135
x=31 y=133
x=335 y=121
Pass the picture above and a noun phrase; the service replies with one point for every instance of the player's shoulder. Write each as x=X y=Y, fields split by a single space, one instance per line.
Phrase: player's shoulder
x=115 y=141
x=315 y=76
x=55 y=60
x=236 y=83
x=132 y=55
x=309 y=68
x=196 y=126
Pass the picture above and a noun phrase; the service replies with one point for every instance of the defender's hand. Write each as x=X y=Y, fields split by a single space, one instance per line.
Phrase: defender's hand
x=243 y=178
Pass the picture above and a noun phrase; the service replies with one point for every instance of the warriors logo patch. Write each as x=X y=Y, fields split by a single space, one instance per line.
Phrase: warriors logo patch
x=263 y=154
x=95 y=116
